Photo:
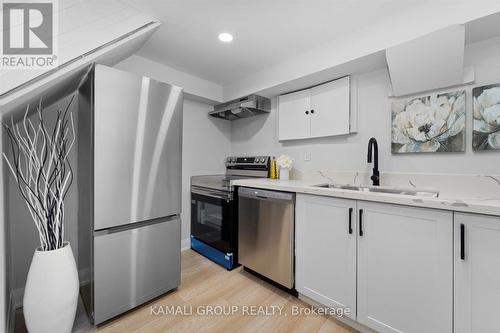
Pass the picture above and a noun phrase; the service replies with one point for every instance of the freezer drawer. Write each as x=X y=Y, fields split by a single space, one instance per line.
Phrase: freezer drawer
x=134 y=266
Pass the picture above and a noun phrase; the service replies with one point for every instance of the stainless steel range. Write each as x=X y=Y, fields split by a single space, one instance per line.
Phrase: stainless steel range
x=214 y=216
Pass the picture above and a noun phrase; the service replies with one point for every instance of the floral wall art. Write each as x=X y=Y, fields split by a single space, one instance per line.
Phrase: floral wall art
x=486 y=129
x=433 y=123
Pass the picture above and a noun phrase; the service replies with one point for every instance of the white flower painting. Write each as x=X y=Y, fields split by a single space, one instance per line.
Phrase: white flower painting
x=427 y=124
x=486 y=129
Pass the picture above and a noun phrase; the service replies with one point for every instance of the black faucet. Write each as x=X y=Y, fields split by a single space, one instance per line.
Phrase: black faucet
x=372 y=145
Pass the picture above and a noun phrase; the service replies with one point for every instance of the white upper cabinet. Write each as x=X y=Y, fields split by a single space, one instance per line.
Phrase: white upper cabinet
x=320 y=111
x=330 y=108
x=325 y=230
x=292 y=108
x=405 y=268
x=477 y=273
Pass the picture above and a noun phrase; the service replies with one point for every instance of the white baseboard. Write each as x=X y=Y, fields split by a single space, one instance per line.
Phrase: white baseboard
x=185 y=244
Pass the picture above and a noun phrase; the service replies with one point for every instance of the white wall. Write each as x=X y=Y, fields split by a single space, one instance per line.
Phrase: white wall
x=258 y=135
x=205 y=144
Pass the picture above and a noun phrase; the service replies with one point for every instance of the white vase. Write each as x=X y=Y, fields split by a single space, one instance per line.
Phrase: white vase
x=51 y=293
x=284 y=173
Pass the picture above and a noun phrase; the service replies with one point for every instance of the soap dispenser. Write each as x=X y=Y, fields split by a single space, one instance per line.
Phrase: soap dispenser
x=274 y=174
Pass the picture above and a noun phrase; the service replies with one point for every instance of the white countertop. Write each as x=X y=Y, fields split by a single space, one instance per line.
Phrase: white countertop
x=481 y=205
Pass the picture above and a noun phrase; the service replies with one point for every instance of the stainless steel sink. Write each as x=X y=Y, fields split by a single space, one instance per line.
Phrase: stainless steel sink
x=381 y=189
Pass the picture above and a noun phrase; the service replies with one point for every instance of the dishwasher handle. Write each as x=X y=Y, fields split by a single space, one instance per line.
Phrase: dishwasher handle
x=259 y=194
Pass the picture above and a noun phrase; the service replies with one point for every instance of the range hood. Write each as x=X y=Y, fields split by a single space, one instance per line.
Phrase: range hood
x=430 y=62
x=244 y=107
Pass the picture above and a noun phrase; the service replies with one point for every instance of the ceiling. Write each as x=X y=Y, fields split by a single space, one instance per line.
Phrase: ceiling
x=266 y=32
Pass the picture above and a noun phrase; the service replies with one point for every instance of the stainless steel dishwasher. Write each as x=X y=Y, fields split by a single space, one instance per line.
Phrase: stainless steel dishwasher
x=266 y=233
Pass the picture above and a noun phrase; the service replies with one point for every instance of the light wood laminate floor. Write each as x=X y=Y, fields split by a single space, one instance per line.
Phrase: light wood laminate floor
x=203 y=284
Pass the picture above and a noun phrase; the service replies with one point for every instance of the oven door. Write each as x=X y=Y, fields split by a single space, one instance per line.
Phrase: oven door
x=212 y=218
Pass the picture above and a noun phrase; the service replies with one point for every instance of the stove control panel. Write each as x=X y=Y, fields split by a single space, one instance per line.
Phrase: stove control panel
x=247 y=161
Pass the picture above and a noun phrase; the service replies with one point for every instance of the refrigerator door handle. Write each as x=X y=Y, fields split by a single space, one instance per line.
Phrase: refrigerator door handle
x=131 y=226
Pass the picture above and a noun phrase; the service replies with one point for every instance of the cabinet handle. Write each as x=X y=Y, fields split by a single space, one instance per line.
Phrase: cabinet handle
x=361 y=222
x=307 y=112
x=312 y=111
x=462 y=241
x=350 y=221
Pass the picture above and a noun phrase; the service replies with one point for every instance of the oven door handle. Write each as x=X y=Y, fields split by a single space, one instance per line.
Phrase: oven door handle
x=224 y=196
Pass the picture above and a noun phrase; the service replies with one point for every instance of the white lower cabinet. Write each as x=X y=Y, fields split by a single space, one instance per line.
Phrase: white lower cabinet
x=326 y=250
x=477 y=273
x=394 y=271
x=405 y=268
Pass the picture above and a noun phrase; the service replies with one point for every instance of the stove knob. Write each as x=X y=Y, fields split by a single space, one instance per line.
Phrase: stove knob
x=262 y=160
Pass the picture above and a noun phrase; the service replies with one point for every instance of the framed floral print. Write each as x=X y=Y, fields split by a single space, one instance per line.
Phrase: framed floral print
x=433 y=123
x=486 y=127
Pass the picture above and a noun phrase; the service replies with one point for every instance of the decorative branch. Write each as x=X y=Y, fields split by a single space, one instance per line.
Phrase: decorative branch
x=40 y=165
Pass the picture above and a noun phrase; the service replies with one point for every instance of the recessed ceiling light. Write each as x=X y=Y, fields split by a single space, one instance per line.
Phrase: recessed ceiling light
x=225 y=37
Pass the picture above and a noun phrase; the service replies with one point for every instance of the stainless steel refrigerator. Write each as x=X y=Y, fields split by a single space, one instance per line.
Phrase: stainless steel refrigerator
x=130 y=128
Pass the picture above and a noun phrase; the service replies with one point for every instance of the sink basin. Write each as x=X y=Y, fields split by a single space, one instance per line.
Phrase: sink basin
x=381 y=189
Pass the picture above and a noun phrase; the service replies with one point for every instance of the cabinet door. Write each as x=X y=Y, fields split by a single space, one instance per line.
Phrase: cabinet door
x=293 y=121
x=330 y=103
x=405 y=268
x=477 y=287
x=326 y=251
